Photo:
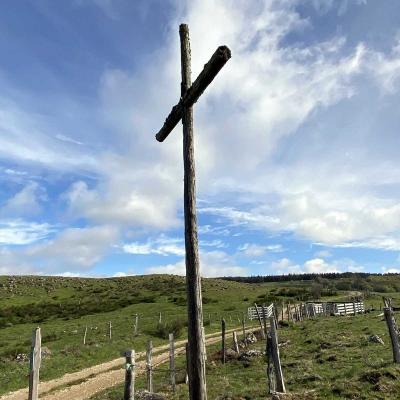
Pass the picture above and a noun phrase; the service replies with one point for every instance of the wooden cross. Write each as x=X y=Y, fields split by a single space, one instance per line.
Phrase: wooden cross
x=190 y=93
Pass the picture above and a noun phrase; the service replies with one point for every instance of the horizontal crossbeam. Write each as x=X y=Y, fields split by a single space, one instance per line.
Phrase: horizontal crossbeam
x=210 y=71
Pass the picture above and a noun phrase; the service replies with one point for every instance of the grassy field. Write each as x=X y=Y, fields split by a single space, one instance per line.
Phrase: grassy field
x=62 y=307
x=324 y=358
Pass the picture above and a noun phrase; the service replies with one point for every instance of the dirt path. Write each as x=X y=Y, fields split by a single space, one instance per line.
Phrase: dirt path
x=102 y=376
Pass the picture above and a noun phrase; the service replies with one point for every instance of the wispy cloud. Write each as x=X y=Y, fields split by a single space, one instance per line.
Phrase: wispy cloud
x=20 y=232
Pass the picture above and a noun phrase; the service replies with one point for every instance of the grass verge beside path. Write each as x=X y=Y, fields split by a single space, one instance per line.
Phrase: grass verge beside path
x=325 y=358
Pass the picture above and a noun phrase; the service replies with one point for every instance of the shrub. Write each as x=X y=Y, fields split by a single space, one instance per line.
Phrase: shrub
x=164 y=329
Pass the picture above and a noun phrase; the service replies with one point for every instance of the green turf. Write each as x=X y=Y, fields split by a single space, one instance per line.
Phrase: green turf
x=324 y=358
x=62 y=307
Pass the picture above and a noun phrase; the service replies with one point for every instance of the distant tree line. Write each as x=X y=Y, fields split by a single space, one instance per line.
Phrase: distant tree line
x=301 y=277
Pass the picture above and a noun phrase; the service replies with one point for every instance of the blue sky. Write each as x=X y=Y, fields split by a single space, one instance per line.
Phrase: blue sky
x=296 y=140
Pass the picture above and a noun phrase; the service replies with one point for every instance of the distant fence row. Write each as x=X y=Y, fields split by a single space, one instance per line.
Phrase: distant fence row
x=342 y=308
x=260 y=312
x=309 y=309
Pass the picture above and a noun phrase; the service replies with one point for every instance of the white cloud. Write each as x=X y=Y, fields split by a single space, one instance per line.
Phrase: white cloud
x=26 y=138
x=323 y=254
x=19 y=232
x=213 y=230
x=68 y=139
x=391 y=243
x=218 y=244
x=119 y=274
x=73 y=250
x=391 y=270
x=256 y=250
x=70 y=253
x=326 y=185
x=25 y=202
x=212 y=264
x=162 y=245
x=252 y=250
x=314 y=265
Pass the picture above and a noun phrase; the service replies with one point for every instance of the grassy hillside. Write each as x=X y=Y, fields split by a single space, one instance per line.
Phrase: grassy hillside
x=326 y=358
x=62 y=307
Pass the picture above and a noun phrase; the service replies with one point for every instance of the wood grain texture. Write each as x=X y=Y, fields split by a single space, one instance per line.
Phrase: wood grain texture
x=280 y=385
x=35 y=360
x=393 y=330
x=193 y=92
x=149 y=366
x=196 y=372
x=172 y=361
x=129 y=389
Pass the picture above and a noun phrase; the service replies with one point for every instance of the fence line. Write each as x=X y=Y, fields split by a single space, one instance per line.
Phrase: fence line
x=258 y=312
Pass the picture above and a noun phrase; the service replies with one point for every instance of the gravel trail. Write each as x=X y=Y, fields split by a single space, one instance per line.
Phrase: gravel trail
x=92 y=380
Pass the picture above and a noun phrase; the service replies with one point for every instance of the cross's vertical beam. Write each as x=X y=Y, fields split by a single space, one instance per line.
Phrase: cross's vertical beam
x=197 y=378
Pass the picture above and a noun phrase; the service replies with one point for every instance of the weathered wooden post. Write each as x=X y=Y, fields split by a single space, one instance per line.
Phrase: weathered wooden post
x=110 y=330
x=275 y=357
x=129 y=390
x=276 y=313
x=260 y=321
x=35 y=360
x=270 y=366
x=307 y=311
x=393 y=330
x=354 y=308
x=244 y=331
x=204 y=344
x=190 y=93
x=160 y=318
x=264 y=319
x=149 y=366
x=84 y=336
x=223 y=350
x=135 y=332
x=235 y=342
x=187 y=362
x=172 y=361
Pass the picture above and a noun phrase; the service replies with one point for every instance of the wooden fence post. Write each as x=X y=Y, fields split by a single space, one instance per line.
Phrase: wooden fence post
x=172 y=361
x=275 y=357
x=276 y=313
x=223 y=355
x=136 y=325
x=264 y=319
x=259 y=320
x=354 y=308
x=129 y=390
x=270 y=366
x=244 y=332
x=288 y=311
x=36 y=355
x=297 y=313
x=204 y=343
x=110 y=330
x=160 y=318
x=187 y=363
x=235 y=342
x=149 y=366
x=393 y=330
x=84 y=336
